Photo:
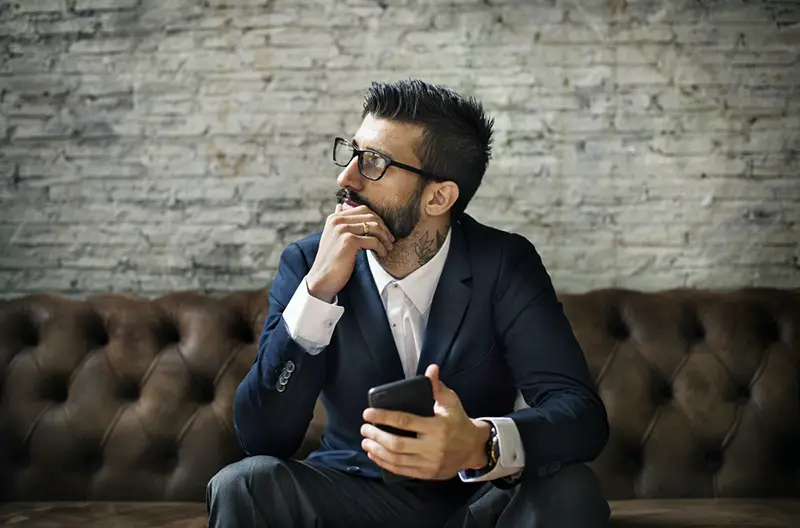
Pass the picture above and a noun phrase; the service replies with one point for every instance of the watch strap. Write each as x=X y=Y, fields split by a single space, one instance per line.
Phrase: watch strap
x=492 y=448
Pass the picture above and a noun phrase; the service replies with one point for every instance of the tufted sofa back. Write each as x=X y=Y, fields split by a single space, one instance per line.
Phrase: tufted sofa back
x=702 y=390
x=122 y=398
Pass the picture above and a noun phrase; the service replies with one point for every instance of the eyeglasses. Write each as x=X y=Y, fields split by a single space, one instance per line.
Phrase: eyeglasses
x=371 y=164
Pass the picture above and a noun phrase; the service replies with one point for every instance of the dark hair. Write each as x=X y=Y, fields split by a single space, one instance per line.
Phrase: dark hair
x=457 y=135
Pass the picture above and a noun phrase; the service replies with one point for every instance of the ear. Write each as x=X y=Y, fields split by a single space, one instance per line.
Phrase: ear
x=442 y=198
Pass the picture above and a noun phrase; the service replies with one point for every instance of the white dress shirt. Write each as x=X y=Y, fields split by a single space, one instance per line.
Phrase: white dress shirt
x=407 y=302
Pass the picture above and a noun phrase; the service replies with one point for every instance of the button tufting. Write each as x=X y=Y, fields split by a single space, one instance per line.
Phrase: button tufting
x=96 y=329
x=663 y=393
x=93 y=461
x=168 y=458
x=205 y=392
x=168 y=334
x=769 y=330
x=636 y=461
x=690 y=326
x=714 y=460
x=55 y=390
x=27 y=332
x=242 y=331
x=743 y=394
x=21 y=457
x=617 y=327
x=129 y=390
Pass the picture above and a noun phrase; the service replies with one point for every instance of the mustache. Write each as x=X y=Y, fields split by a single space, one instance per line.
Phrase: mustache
x=344 y=195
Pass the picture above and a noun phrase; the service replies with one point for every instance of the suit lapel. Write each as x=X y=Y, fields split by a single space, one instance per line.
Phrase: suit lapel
x=363 y=299
x=449 y=303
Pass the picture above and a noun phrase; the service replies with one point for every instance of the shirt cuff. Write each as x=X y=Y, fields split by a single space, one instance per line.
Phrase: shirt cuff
x=310 y=321
x=512 y=453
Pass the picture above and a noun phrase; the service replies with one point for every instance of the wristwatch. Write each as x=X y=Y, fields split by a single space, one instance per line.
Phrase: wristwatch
x=492 y=449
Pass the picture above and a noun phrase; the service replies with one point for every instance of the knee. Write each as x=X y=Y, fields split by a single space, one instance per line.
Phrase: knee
x=233 y=482
x=576 y=482
x=570 y=497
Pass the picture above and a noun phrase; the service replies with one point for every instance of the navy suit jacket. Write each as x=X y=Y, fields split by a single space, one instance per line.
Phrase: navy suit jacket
x=495 y=326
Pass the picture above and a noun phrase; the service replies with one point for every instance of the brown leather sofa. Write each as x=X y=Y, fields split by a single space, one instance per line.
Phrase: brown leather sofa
x=116 y=411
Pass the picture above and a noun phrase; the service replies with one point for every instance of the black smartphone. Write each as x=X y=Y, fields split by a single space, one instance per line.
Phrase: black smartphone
x=411 y=395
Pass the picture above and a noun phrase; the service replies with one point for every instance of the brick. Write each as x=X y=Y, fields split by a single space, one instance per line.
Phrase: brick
x=239 y=3
x=39 y=6
x=106 y=5
x=236 y=215
x=291 y=216
x=25 y=258
x=179 y=42
x=275 y=18
x=102 y=46
x=157 y=260
x=216 y=61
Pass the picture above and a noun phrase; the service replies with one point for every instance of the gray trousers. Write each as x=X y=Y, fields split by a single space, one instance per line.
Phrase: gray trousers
x=267 y=492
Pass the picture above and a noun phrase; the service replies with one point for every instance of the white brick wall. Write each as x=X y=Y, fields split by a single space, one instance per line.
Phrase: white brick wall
x=148 y=146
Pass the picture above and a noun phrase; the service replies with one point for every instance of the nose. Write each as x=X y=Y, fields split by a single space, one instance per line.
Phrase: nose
x=350 y=177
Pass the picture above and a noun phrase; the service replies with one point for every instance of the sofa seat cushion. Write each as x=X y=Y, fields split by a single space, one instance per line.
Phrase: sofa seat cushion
x=103 y=514
x=672 y=513
x=706 y=513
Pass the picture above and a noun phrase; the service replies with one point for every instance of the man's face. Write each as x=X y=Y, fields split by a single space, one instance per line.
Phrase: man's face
x=397 y=197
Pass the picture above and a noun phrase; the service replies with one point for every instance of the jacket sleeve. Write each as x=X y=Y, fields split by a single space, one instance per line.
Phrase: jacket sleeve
x=274 y=404
x=566 y=421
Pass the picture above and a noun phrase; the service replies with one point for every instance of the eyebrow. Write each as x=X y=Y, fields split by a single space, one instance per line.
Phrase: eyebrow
x=380 y=151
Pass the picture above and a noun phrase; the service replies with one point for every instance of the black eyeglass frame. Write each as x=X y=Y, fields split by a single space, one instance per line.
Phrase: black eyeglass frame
x=389 y=162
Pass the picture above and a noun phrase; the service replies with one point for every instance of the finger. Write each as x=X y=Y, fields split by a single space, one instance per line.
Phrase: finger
x=398 y=419
x=371 y=216
x=442 y=394
x=432 y=372
x=373 y=243
x=338 y=208
x=398 y=459
x=361 y=209
x=398 y=470
x=372 y=219
x=393 y=443
x=375 y=230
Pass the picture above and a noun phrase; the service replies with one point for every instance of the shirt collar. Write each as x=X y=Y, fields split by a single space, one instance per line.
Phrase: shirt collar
x=420 y=285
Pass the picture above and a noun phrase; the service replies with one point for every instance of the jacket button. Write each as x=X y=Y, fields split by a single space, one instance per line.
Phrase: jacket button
x=281 y=388
x=290 y=366
x=353 y=469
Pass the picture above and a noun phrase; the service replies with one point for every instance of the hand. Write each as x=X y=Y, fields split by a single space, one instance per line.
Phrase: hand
x=446 y=443
x=342 y=238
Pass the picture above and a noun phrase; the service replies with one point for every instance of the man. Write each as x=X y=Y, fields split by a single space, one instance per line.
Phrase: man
x=401 y=282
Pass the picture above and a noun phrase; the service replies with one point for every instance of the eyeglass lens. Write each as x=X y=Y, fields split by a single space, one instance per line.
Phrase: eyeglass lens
x=371 y=164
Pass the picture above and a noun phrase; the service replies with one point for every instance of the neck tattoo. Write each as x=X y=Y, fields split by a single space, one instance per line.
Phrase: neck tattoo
x=426 y=246
x=413 y=252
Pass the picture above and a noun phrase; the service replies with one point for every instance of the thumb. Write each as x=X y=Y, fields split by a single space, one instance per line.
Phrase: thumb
x=441 y=392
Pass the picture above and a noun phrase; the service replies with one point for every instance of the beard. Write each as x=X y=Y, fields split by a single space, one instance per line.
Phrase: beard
x=400 y=220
